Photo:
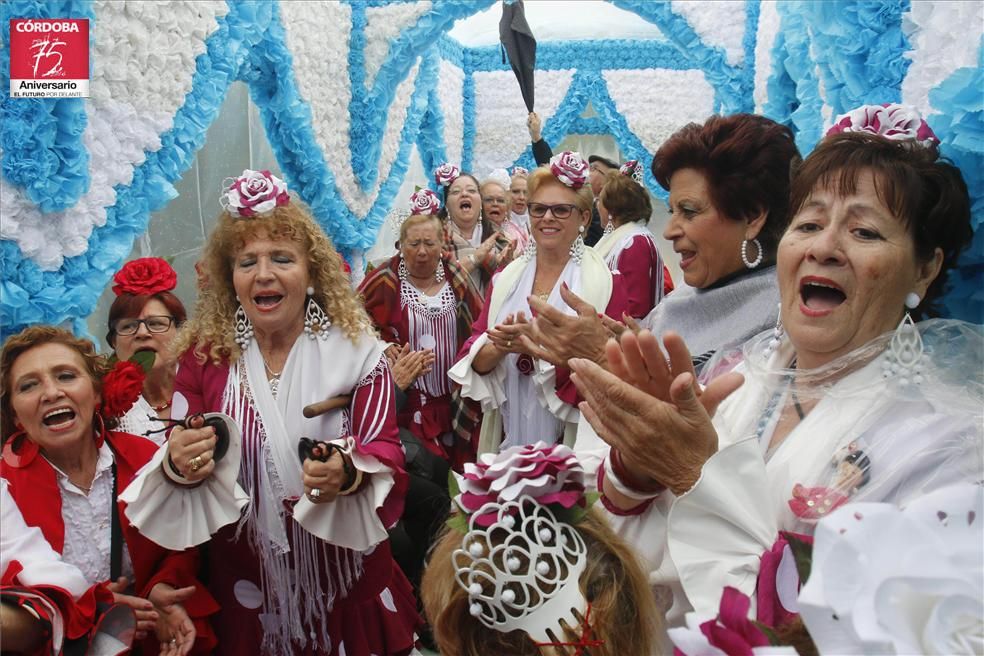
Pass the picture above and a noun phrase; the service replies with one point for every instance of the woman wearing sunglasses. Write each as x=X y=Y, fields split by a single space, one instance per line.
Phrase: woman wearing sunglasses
x=525 y=400
x=145 y=317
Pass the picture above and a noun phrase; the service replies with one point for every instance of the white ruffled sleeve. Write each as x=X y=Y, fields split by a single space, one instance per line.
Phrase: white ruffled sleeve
x=350 y=521
x=719 y=529
x=545 y=378
x=488 y=389
x=181 y=516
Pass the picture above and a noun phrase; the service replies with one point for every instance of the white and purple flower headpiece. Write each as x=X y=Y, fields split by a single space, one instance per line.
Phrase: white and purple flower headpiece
x=570 y=168
x=632 y=169
x=890 y=120
x=424 y=201
x=522 y=558
x=253 y=193
x=520 y=170
x=446 y=173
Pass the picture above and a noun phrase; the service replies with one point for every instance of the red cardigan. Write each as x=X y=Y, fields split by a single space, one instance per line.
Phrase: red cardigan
x=34 y=486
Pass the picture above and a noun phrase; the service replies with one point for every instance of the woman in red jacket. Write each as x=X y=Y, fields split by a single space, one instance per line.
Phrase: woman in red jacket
x=64 y=469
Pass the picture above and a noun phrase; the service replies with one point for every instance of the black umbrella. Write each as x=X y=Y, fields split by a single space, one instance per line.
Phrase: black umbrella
x=518 y=43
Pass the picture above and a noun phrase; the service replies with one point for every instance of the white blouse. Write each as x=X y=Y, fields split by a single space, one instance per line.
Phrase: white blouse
x=88 y=522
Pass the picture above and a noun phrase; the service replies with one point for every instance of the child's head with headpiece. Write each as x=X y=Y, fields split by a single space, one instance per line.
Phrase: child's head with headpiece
x=526 y=566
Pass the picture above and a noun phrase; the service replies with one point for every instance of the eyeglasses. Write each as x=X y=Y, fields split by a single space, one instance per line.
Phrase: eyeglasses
x=494 y=201
x=559 y=211
x=157 y=324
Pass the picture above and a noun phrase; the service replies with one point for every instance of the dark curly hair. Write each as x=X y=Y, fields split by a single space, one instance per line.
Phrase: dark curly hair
x=747 y=160
x=926 y=193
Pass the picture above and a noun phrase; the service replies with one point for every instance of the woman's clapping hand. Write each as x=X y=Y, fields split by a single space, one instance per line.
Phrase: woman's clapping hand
x=508 y=336
x=408 y=365
x=651 y=408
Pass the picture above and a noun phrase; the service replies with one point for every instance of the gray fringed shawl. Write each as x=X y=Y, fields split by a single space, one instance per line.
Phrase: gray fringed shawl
x=720 y=316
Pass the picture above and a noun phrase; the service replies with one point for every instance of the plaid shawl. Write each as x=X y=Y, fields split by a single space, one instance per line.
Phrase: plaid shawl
x=381 y=295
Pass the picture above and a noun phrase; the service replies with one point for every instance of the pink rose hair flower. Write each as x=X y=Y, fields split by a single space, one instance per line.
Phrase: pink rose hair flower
x=446 y=173
x=890 y=120
x=632 y=169
x=570 y=168
x=520 y=170
x=424 y=201
x=253 y=193
x=145 y=276
x=550 y=474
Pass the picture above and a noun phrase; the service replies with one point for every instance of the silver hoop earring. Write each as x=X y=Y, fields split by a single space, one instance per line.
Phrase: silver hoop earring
x=243 y=329
x=316 y=322
x=744 y=253
x=577 y=248
x=530 y=251
x=904 y=355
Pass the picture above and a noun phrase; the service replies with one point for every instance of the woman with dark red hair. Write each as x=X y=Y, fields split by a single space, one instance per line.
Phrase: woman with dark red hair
x=144 y=318
x=728 y=180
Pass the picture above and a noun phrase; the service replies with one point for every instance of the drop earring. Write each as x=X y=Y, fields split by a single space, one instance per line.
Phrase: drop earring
x=577 y=248
x=905 y=353
x=243 y=328
x=316 y=322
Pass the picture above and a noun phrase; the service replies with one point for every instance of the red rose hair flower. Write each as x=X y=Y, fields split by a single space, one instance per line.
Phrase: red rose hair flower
x=145 y=276
x=121 y=389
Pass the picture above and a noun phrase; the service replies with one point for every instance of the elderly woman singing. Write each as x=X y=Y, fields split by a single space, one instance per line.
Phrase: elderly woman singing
x=525 y=399
x=281 y=344
x=846 y=400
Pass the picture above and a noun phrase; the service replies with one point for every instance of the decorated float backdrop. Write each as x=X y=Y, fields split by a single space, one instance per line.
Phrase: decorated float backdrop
x=351 y=92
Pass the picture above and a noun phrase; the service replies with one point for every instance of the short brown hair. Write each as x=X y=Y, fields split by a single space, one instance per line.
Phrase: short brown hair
x=130 y=305
x=32 y=337
x=747 y=160
x=623 y=610
x=927 y=194
x=625 y=199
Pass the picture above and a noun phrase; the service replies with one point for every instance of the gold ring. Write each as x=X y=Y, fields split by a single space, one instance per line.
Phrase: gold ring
x=508 y=343
x=195 y=463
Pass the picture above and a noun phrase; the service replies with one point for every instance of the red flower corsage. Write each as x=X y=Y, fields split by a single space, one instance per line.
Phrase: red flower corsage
x=525 y=364
x=145 y=276
x=121 y=388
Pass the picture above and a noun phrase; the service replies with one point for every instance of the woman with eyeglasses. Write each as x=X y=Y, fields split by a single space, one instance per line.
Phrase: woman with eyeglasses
x=145 y=317
x=472 y=241
x=525 y=399
x=495 y=209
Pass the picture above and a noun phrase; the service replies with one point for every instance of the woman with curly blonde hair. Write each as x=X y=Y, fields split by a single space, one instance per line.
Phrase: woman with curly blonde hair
x=281 y=344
